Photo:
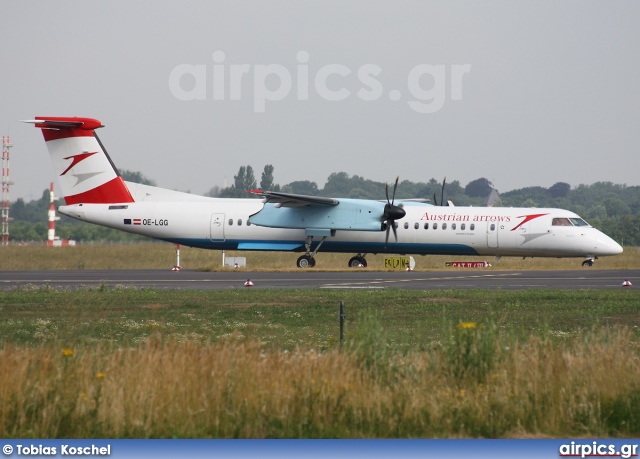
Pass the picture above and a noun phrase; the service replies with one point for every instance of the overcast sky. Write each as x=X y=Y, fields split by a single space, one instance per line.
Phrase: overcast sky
x=522 y=93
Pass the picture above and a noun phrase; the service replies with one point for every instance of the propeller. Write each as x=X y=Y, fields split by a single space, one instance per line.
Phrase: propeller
x=435 y=201
x=391 y=212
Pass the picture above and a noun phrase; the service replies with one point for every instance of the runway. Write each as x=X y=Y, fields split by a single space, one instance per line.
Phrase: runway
x=585 y=278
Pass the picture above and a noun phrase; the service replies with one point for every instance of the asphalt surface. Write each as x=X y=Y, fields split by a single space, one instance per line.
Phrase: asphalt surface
x=478 y=278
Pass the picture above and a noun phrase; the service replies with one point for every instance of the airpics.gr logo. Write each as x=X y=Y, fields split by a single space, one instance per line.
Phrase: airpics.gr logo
x=427 y=84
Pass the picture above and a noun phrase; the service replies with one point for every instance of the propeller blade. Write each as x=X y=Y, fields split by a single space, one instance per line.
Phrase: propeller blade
x=442 y=192
x=435 y=201
x=393 y=198
x=391 y=212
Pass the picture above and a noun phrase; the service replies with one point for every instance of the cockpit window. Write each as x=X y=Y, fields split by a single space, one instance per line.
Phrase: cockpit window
x=579 y=222
x=561 y=222
x=568 y=222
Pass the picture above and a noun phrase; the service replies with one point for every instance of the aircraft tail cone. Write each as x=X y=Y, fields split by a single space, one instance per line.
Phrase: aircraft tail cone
x=626 y=283
x=248 y=283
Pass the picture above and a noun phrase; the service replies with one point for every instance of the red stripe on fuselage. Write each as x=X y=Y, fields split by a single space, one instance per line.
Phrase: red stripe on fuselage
x=526 y=219
x=111 y=192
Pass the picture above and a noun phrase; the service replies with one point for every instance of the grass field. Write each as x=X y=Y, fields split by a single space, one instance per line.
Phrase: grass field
x=140 y=363
x=163 y=256
x=286 y=319
x=132 y=363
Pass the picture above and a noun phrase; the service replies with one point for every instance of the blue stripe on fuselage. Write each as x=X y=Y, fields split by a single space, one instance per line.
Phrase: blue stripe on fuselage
x=335 y=246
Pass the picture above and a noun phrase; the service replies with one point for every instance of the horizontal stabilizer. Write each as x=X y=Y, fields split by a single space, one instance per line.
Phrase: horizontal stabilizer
x=59 y=122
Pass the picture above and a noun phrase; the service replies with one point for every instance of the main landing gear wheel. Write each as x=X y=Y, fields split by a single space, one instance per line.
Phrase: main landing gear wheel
x=587 y=263
x=356 y=262
x=306 y=261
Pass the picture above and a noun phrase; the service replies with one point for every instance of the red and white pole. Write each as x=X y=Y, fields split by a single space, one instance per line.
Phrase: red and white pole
x=52 y=218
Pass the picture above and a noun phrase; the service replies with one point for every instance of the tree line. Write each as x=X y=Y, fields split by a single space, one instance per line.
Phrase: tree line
x=612 y=208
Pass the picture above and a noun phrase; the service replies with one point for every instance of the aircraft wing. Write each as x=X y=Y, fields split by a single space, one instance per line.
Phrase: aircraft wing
x=294 y=200
x=317 y=215
x=320 y=216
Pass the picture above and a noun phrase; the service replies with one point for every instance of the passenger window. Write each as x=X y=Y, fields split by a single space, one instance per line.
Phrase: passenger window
x=231 y=222
x=426 y=226
x=416 y=226
x=444 y=226
x=435 y=226
x=472 y=226
x=239 y=222
x=462 y=226
x=453 y=226
x=493 y=227
x=406 y=225
x=248 y=223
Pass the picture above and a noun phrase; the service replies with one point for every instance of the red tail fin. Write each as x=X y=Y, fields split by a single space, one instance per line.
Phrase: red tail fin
x=85 y=171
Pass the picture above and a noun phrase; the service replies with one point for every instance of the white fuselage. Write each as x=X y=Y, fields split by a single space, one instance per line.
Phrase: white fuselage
x=224 y=224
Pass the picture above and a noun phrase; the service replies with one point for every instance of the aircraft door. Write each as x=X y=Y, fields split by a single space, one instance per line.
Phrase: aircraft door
x=217 y=227
x=492 y=234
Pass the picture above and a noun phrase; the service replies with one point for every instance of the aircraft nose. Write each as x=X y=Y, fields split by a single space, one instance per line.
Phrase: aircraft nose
x=617 y=248
x=608 y=246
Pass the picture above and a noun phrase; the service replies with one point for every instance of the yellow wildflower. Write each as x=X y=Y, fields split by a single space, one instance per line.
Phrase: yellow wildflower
x=99 y=375
x=67 y=352
x=463 y=325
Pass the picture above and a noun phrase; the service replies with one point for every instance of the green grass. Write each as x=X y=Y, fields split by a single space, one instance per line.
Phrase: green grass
x=285 y=319
x=137 y=363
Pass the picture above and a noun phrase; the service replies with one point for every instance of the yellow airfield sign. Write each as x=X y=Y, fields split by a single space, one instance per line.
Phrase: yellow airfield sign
x=399 y=263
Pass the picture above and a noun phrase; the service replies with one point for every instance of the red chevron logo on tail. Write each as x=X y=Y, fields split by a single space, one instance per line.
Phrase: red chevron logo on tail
x=76 y=159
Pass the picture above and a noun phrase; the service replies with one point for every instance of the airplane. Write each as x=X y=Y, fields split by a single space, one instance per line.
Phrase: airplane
x=95 y=192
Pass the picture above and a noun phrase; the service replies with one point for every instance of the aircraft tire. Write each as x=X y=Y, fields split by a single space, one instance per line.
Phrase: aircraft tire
x=306 y=261
x=355 y=262
x=587 y=263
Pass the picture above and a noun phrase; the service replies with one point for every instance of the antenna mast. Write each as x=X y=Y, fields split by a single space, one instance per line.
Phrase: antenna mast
x=6 y=182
